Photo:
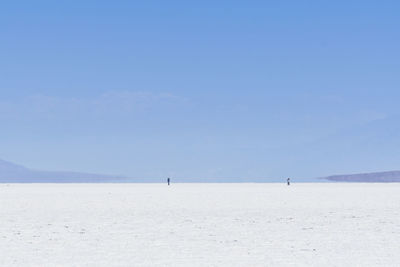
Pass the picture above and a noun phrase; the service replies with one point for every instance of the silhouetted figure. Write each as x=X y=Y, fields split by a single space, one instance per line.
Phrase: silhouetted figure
x=288 y=181
x=168 y=181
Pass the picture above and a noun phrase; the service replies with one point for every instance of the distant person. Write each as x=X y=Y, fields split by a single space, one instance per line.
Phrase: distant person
x=288 y=181
x=168 y=180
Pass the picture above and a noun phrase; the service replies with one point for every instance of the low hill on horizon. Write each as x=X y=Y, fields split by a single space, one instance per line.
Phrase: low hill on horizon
x=375 y=177
x=14 y=173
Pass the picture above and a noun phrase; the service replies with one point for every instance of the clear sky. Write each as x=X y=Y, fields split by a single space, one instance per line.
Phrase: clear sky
x=201 y=89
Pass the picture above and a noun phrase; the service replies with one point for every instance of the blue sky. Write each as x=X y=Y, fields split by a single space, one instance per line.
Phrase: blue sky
x=207 y=89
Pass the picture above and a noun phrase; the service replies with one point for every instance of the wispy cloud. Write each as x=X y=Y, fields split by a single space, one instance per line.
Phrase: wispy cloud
x=116 y=103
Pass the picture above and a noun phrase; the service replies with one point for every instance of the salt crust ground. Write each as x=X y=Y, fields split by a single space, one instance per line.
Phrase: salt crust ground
x=200 y=225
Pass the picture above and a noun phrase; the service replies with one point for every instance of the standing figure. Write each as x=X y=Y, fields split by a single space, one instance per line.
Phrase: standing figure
x=168 y=180
x=288 y=181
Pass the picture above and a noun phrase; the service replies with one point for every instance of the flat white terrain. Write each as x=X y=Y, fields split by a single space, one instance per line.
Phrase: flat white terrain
x=200 y=225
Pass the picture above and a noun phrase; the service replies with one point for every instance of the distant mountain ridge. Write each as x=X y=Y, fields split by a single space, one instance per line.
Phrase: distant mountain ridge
x=375 y=177
x=14 y=173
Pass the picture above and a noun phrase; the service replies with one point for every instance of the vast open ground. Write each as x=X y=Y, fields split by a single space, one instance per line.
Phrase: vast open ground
x=199 y=224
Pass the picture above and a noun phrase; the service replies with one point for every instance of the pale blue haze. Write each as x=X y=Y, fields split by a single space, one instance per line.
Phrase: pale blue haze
x=205 y=89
